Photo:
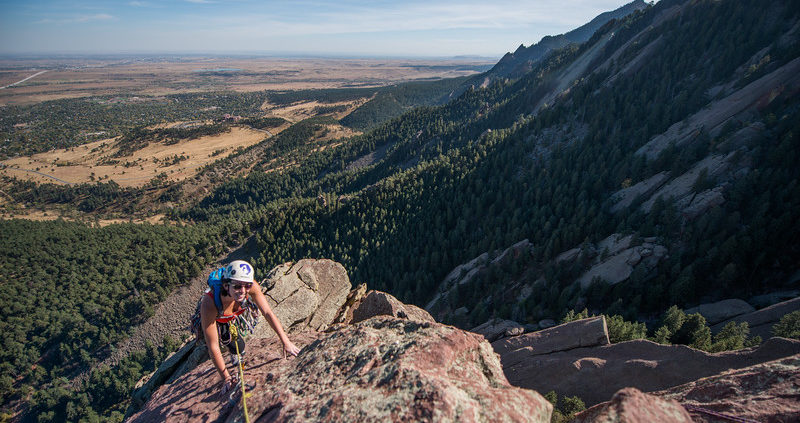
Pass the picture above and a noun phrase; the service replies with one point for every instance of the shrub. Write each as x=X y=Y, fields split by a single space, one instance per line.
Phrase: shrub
x=732 y=337
x=565 y=409
x=694 y=332
x=788 y=326
x=620 y=330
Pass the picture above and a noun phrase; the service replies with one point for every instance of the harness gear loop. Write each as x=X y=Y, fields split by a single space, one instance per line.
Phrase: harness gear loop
x=234 y=335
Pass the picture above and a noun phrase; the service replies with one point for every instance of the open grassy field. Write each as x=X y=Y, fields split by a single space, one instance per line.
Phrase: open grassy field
x=86 y=163
x=39 y=215
x=82 y=77
x=296 y=112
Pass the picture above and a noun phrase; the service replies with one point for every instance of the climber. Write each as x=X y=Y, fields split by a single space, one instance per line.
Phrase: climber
x=238 y=301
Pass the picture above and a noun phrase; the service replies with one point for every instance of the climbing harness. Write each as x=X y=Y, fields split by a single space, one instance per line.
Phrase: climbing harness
x=718 y=414
x=234 y=335
x=246 y=318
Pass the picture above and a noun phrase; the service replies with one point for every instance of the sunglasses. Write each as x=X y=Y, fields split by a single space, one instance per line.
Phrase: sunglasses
x=238 y=286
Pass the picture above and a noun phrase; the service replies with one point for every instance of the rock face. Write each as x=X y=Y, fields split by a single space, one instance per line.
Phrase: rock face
x=345 y=313
x=766 y=300
x=165 y=370
x=466 y=273
x=305 y=295
x=704 y=186
x=377 y=303
x=768 y=392
x=713 y=118
x=382 y=369
x=514 y=65
x=595 y=373
x=495 y=329
x=613 y=260
x=631 y=405
x=722 y=310
x=618 y=258
x=625 y=197
x=761 y=321
x=582 y=333
x=680 y=188
x=702 y=202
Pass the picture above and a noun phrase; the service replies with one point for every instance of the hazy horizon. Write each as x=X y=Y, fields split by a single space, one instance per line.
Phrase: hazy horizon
x=307 y=28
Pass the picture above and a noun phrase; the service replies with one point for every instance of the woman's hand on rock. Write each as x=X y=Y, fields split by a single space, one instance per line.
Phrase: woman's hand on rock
x=290 y=349
x=228 y=384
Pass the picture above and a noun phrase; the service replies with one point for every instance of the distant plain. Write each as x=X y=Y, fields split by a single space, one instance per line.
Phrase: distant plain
x=156 y=76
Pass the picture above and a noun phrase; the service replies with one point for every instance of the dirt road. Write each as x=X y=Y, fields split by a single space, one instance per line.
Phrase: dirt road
x=23 y=80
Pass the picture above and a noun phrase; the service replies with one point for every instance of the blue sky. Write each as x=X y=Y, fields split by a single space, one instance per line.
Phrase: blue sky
x=345 y=27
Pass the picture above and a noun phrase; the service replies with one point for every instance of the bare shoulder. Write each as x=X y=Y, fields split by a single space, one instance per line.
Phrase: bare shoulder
x=207 y=307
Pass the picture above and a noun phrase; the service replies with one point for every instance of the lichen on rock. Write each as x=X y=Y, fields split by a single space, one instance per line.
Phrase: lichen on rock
x=382 y=369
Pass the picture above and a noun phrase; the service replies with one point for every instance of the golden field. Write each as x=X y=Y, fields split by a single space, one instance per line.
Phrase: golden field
x=83 y=163
x=170 y=75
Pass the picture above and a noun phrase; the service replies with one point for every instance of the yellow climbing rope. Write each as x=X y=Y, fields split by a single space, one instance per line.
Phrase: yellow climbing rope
x=234 y=336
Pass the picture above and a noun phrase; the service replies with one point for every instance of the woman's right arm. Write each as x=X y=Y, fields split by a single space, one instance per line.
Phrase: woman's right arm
x=208 y=317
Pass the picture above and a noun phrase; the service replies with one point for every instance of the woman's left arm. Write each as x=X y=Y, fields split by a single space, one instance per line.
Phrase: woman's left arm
x=261 y=301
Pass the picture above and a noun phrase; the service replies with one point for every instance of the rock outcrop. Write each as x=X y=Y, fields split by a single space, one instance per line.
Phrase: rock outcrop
x=402 y=365
x=595 y=373
x=772 y=298
x=618 y=258
x=681 y=188
x=467 y=273
x=591 y=332
x=612 y=260
x=704 y=185
x=625 y=197
x=376 y=303
x=768 y=392
x=721 y=311
x=495 y=329
x=516 y=64
x=713 y=118
x=630 y=405
x=761 y=321
x=167 y=369
x=382 y=369
x=305 y=295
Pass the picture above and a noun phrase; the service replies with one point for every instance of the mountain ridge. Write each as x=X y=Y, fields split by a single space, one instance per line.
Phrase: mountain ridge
x=513 y=65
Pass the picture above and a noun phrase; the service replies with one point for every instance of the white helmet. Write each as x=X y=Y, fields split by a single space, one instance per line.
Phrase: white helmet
x=239 y=270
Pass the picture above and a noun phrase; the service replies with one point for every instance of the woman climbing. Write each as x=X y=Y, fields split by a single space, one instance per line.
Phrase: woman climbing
x=235 y=301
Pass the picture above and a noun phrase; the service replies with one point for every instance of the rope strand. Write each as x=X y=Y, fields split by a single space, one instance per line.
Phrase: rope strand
x=235 y=336
x=718 y=414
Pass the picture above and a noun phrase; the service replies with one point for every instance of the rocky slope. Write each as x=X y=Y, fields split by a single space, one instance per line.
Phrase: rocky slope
x=765 y=392
x=768 y=392
x=576 y=359
x=631 y=405
x=382 y=369
x=373 y=358
x=611 y=260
